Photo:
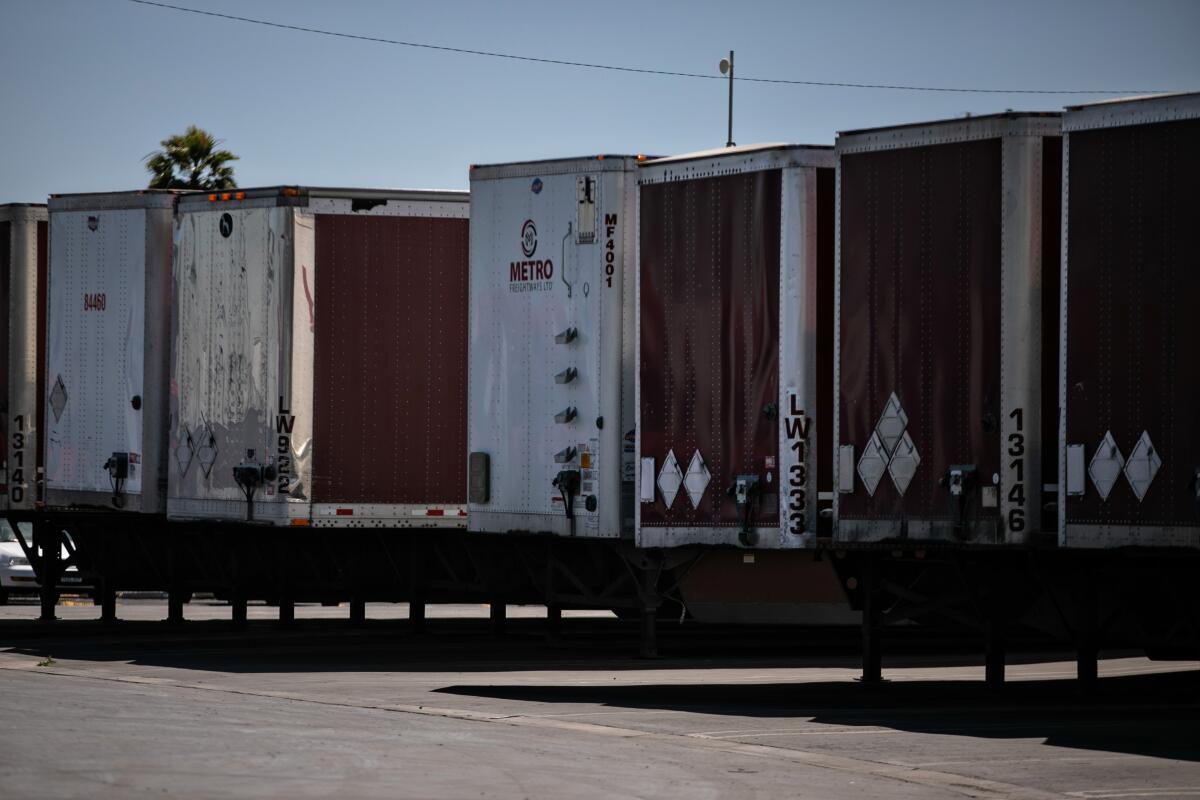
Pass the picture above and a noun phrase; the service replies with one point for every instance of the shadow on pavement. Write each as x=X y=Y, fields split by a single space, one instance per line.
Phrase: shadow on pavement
x=1150 y=714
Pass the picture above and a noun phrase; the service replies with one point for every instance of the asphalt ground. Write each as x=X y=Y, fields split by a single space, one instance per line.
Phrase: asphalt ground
x=323 y=708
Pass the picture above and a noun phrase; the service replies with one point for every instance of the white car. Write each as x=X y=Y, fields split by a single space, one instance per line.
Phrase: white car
x=16 y=574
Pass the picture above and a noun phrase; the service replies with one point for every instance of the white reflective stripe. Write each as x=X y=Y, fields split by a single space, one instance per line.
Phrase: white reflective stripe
x=1075 y=469
x=647 y=484
x=846 y=469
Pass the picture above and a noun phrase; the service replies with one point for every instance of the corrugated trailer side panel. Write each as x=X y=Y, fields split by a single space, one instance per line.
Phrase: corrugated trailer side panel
x=5 y=270
x=391 y=360
x=1131 y=328
x=1051 y=284
x=23 y=234
x=43 y=266
x=826 y=249
x=709 y=373
x=915 y=221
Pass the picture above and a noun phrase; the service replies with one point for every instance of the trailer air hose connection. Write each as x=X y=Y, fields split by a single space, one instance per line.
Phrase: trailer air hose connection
x=959 y=481
x=117 y=468
x=567 y=482
x=249 y=475
x=745 y=491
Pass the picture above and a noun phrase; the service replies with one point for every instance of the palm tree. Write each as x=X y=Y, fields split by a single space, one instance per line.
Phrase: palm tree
x=191 y=161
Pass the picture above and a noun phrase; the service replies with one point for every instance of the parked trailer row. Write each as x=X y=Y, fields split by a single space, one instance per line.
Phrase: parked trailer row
x=774 y=348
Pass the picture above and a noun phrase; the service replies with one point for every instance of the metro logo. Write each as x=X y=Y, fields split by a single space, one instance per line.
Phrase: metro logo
x=95 y=302
x=531 y=270
x=530 y=275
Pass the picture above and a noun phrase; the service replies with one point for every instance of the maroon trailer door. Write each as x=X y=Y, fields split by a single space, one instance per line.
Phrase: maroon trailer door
x=1133 y=322
x=391 y=360
x=920 y=327
x=709 y=372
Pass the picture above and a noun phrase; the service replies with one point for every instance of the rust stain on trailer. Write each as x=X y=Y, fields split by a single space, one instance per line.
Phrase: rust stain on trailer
x=307 y=295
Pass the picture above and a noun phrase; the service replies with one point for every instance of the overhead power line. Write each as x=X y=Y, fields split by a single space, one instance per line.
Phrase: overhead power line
x=638 y=70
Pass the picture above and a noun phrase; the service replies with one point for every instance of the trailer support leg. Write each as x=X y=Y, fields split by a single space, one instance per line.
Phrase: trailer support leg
x=175 y=592
x=993 y=668
x=1087 y=653
x=649 y=598
x=107 y=588
x=49 y=550
x=238 y=605
x=871 y=655
x=498 y=617
x=358 y=611
x=416 y=615
x=175 y=606
x=283 y=584
x=553 y=609
x=108 y=602
x=416 y=588
x=238 y=595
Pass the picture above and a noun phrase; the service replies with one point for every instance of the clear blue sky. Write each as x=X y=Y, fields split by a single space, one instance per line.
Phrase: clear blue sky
x=89 y=87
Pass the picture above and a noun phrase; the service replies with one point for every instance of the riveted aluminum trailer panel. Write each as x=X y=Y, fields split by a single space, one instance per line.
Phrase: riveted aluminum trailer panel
x=550 y=409
x=941 y=387
x=319 y=354
x=23 y=253
x=734 y=251
x=1130 y=388
x=108 y=323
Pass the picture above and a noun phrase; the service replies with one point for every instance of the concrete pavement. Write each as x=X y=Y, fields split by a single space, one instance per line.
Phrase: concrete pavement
x=322 y=709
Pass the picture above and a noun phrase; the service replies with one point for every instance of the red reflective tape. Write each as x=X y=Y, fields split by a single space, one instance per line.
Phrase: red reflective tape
x=345 y=512
x=435 y=512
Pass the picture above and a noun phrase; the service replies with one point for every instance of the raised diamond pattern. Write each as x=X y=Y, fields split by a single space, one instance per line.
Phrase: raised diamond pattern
x=670 y=478
x=904 y=463
x=1142 y=466
x=872 y=464
x=696 y=480
x=1106 y=465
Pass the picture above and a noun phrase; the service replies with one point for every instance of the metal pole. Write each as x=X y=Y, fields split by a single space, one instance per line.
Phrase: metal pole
x=729 y=140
